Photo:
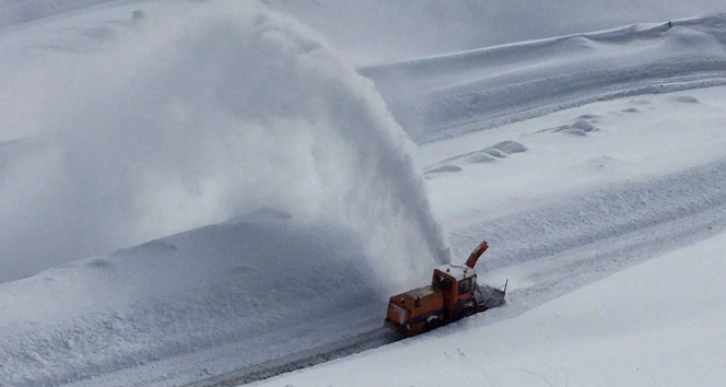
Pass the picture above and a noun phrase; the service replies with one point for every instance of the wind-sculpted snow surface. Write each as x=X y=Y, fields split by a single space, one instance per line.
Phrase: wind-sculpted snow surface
x=202 y=116
x=380 y=31
x=442 y=96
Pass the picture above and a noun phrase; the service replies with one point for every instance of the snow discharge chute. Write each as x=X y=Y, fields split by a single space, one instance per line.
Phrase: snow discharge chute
x=193 y=120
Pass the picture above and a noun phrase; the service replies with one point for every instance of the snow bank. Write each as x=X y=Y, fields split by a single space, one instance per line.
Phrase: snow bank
x=382 y=30
x=441 y=96
x=242 y=288
x=201 y=116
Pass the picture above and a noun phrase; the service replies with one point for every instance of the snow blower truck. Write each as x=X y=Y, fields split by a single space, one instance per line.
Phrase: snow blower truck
x=452 y=295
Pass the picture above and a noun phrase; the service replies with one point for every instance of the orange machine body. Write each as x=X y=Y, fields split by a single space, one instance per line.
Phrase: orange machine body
x=452 y=295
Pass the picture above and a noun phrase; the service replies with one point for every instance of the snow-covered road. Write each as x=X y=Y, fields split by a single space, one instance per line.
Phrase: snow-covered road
x=659 y=323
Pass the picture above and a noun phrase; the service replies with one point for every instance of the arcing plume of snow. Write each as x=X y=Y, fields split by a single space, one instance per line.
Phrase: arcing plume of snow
x=218 y=113
x=197 y=118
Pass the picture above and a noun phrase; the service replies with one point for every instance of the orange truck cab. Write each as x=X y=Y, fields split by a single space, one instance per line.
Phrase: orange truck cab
x=452 y=295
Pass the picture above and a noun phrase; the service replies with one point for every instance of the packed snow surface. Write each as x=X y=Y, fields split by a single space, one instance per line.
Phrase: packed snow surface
x=239 y=192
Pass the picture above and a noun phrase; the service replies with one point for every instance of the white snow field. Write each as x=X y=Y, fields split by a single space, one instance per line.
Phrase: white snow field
x=441 y=96
x=388 y=31
x=244 y=198
x=378 y=30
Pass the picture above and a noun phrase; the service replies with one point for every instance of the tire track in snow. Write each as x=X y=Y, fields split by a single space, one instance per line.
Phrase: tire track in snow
x=309 y=358
x=586 y=238
x=599 y=215
x=657 y=79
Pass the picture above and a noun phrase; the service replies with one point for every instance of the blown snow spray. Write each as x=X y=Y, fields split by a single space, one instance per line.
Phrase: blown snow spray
x=194 y=119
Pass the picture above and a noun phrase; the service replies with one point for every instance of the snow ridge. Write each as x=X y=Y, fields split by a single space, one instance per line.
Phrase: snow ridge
x=447 y=95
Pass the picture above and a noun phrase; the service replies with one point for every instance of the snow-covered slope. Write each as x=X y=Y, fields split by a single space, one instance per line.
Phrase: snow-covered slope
x=295 y=199
x=244 y=287
x=578 y=150
x=444 y=95
x=381 y=30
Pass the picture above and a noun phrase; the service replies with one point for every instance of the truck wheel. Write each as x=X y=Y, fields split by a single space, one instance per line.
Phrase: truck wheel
x=466 y=312
x=433 y=323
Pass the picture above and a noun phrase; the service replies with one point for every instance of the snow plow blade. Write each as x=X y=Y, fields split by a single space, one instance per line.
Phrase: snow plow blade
x=490 y=297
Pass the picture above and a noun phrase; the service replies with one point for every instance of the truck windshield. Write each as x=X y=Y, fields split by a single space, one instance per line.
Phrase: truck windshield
x=464 y=286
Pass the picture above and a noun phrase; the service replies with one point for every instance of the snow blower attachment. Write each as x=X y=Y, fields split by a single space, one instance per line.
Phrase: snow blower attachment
x=452 y=295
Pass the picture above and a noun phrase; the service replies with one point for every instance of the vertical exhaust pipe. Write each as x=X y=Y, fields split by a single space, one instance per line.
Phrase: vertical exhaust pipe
x=478 y=251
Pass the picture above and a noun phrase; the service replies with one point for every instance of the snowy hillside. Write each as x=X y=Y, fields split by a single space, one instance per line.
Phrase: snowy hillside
x=388 y=31
x=445 y=95
x=213 y=192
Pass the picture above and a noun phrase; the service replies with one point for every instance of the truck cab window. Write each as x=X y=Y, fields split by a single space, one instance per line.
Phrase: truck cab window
x=464 y=286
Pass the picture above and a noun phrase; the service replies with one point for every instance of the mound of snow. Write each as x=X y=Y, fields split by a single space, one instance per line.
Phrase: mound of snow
x=248 y=285
x=685 y=99
x=486 y=155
